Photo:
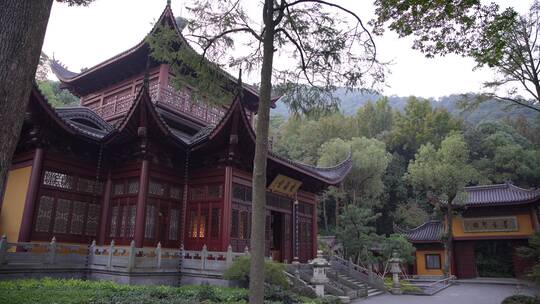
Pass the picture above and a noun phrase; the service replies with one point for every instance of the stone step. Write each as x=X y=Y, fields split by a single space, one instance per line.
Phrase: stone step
x=375 y=293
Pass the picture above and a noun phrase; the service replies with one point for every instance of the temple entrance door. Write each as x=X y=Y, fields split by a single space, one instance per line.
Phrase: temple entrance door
x=494 y=258
x=276 y=227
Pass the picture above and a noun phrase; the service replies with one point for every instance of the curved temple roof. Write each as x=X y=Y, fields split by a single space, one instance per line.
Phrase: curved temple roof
x=72 y=79
x=428 y=232
x=84 y=122
x=499 y=194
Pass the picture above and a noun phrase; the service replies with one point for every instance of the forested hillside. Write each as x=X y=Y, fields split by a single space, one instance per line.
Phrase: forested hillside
x=384 y=138
x=351 y=101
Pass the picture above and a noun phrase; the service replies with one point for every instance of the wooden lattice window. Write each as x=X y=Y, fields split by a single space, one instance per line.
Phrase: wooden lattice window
x=234 y=223
x=131 y=223
x=156 y=188
x=193 y=233
x=216 y=217
x=150 y=226
x=118 y=189
x=92 y=220
x=133 y=186
x=77 y=217
x=175 y=193
x=173 y=224
x=203 y=223
x=214 y=191
x=61 y=216
x=58 y=180
x=433 y=261
x=197 y=194
x=114 y=221
x=44 y=216
x=243 y=227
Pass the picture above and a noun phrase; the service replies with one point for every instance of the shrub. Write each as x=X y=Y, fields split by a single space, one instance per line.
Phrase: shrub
x=405 y=286
x=273 y=272
x=521 y=299
x=49 y=291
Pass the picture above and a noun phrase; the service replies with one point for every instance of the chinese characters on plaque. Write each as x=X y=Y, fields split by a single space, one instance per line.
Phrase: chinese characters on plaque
x=285 y=185
x=490 y=224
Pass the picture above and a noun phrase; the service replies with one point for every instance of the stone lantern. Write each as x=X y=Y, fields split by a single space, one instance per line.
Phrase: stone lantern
x=320 y=265
x=395 y=270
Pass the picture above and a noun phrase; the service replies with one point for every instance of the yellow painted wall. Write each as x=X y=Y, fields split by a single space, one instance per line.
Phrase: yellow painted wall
x=525 y=228
x=421 y=263
x=13 y=204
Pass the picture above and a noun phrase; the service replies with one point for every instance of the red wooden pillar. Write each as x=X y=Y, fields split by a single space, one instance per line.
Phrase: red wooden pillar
x=25 y=230
x=296 y=247
x=227 y=209
x=141 y=205
x=534 y=218
x=314 y=229
x=105 y=208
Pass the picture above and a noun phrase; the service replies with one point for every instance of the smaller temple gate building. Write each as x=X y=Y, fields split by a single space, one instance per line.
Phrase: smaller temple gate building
x=146 y=165
x=492 y=223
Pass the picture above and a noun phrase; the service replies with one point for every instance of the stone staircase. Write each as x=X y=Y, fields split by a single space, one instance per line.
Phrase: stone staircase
x=366 y=290
x=345 y=283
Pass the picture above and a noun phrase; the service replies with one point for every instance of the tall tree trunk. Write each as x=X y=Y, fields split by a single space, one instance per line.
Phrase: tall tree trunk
x=449 y=244
x=258 y=217
x=22 y=30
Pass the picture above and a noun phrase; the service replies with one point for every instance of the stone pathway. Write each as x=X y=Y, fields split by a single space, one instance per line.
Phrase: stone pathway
x=457 y=294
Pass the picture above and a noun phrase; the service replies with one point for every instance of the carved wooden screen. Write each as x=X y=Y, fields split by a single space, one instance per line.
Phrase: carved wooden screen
x=163 y=214
x=240 y=217
x=305 y=231
x=123 y=210
x=204 y=217
x=68 y=207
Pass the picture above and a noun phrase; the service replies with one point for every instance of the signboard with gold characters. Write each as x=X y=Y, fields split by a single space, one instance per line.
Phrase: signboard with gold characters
x=285 y=185
x=490 y=224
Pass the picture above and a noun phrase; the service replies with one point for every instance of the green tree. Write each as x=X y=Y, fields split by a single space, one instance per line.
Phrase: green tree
x=357 y=234
x=22 y=32
x=329 y=51
x=532 y=251
x=55 y=95
x=300 y=138
x=444 y=172
x=500 y=39
x=374 y=119
x=364 y=183
x=420 y=124
x=500 y=153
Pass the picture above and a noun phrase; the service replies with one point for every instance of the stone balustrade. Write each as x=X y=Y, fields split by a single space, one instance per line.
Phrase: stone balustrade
x=106 y=261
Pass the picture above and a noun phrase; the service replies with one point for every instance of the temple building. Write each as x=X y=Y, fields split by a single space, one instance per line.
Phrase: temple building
x=142 y=161
x=492 y=223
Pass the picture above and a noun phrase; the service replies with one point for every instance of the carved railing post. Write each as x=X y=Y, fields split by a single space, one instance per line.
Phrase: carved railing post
x=204 y=255
x=158 y=255
x=3 y=249
x=91 y=252
x=111 y=252
x=131 y=256
x=350 y=265
x=182 y=254
x=228 y=257
x=52 y=251
x=246 y=251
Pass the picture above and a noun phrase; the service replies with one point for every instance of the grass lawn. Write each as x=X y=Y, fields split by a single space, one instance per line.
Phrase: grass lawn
x=49 y=291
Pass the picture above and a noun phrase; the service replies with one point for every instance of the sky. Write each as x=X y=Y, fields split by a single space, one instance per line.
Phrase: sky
x=81 y=37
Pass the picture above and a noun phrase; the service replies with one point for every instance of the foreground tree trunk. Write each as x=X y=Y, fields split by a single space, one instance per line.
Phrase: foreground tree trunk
x=22 y=30
x=258 y=217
